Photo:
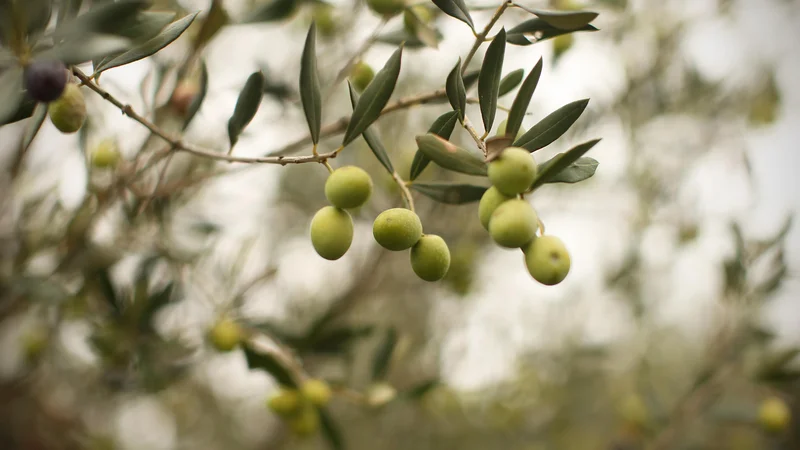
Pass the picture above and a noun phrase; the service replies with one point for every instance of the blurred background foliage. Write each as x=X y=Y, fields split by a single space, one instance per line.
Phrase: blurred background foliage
x=660 y=339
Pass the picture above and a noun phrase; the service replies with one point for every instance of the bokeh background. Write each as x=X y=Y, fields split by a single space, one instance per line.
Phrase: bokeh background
x=682 y=296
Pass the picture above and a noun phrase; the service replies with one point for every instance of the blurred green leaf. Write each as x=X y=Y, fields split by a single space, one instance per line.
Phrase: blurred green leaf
x=449 y=156
x=91 y=46
x=443 y=126
x=369 y=134
x=102 y=280
x=510 y=81
x=553 y=168
x=421 y=389
x=564 y=20
x=197 y=101
x=374 y=98
x=383 y=355
x=537 y=30
x=489 y=78
x=429 y=36
x=578 y=171
x=152 y=46
x=331 y=431
x=154 y=303
x=551 y=127
x=67 y=11
x=246 y=106
x=339 y=340
x=37 y=119
x=11 y=91
x=452 y=194
x=37 y=14
x=402 y=36
x=268 y=363
x=275 y=10
x=310 y=95
x=777 y=363
x=523 y=99
x=456 y=93
x=108 y=18
x=457 y=9
x=214 y=21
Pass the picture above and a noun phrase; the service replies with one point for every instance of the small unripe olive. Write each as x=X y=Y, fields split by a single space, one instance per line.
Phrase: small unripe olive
x=774 y=415
x=331 y=232
x=225 y=335
x=387 y=8
x=513 y=224
x=430 y=258
x=547 y=260
x=306 y=422
x=348 y=187
x=423 y=13
x=562 y=43
x=397 y=229
x=317 y=392
x=106 y=155
x=513 y=171
x=323 y=17
x=361 y=76
x=501 y=129
x=68 y=112
x=490 y=200
x=45 y=80
x=285 y=403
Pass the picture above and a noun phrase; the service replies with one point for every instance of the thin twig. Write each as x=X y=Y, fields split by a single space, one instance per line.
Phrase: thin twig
x=481 y=37
x=478 y=140
x=404 y=189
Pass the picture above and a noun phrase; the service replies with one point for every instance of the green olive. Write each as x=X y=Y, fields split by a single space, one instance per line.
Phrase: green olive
x=225 y=335
x=68 y=112
x=397 y=229
x=331 y=232
x=348 y=187
x=513 y=224
x=430 y=258
x=547 y=260
x=490 y=200
x=513 y=171
x=317 y=392
x=285 y=402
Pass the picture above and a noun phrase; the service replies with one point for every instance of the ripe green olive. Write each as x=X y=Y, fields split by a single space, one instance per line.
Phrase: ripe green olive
x=410 y=24
x=361 y=76
x=774 y=415
x=397 y=229
x=225 y=335
x=106 y=155
x=387 y=8
x=316 y=391
x=430 y=258
x=490 y=200
x=513 y=171
x=331 y=232
x=68 y=112
x=348 y=187
x=513 y=224
x=547 y=260
x=325 y=20
x=285 y=402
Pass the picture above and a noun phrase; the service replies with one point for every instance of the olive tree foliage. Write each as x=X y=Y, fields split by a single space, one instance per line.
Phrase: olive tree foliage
x=134 y=255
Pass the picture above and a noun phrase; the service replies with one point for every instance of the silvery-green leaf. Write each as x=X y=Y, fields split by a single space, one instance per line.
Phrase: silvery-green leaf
x=11 y=92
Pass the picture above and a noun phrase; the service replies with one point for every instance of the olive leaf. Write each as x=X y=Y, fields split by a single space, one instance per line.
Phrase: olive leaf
x=214 y=21
x=422 y=31
x=443 y=126
x=456 y=9
x=102 y=280
x=452 y=194
x=90 y=47
x=510 y=81
x=37 y=15
x=273 y=11
x=331 y=430
x=107 y=18
x=449 y=156
x=489 y=78
x=197 y=101
x=246 y=106
x=422 y=388
x=37 y=119
x=145 y=25
x=582 y=169
x=520 y=106
x=152 y=46
x=310 y=95
x=552 y=168
x=456 y=93
x=11 y=92
x=551 y=127
x=383 y=355
x=373 y=141
x=401 y=36
x=565 y=20
x=536 y=30
x=67 y=11
x=268 y=363
x=374 y=98
x=154 y=303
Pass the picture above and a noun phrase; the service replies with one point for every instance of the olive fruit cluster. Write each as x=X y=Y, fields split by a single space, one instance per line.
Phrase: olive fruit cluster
x=399 y=229
x=299 y=407
x=332 y=226
x=512 y=221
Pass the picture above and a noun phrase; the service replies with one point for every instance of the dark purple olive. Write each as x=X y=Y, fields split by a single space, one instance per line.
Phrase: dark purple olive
x=45 y=80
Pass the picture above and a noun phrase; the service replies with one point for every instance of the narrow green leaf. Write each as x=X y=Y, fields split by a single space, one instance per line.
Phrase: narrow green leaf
x=11 y=92
x=246 y=106
x=339 y=340
x=401 y=36
x=551 y=127
x=451 y=194
x=422 y=30
x=554 y=166
x=37 y=15
x=197 y=102
x=145 y=25
x=457 y=9
x=106 y=288
x=273 y=11
x=373 y=141
x=564 y=20
x=374 y=98
x=331 y=430
x=582 y=169
x=269 y=364
x=310 y=95
x=37 y=119
x=214 y=21
x=456 y=93
x=422 y=388
x=510 y=81
x=383 y=355
x=92 y=46
x=489 y=78
x=154 y=303
x=450 y=156
x=443 y=126
x=67 y=11
x=152 y=46
x=470 y=78
x=107 y=18
x=536 y=30
x=520 y=106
